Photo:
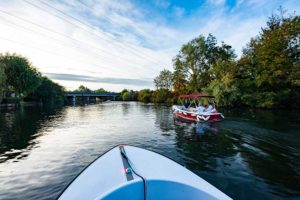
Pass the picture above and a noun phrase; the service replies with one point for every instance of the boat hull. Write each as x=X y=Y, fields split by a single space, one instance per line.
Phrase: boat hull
x=195 y=117
x=160 y=178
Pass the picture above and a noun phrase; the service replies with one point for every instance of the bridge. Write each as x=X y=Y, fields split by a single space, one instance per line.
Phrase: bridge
x=88 y=95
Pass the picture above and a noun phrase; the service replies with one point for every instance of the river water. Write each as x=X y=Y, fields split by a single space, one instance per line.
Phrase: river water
x=251 y=155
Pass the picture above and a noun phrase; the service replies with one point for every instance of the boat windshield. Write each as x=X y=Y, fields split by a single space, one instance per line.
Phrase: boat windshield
x=195 y=100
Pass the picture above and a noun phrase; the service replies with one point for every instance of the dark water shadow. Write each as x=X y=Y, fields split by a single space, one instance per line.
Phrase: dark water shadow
x=250 y=148
x=19 y=129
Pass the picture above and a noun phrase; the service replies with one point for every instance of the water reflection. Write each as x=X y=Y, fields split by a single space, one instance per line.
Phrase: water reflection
x=248 y=156
x=245 y=151
x=125 y=108
x=18 y=130
x=198 y=128
x=163 y=118
x=278 y=120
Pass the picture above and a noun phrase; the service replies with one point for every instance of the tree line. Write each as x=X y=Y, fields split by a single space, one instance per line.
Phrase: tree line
x=84 y=89
x=267 y=75
x=20 y=80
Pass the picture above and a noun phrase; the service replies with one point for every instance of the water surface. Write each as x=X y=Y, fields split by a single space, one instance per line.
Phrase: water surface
x=251 y=155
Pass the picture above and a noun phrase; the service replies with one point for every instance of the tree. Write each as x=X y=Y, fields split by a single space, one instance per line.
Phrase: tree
x=2 y=80
x=144 y=95
x=49 y=92
x=267 y=75
x=194 y=61
x=223 y=86
x=100 y=90
x=21 y=76
x=83 y=89
x=271 y=65
x=126 y=96
x=162 y=96
x=179 y=77
x=123 y=91
x=164 y=80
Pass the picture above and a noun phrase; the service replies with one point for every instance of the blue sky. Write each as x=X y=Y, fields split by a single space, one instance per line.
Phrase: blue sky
x=123 y=44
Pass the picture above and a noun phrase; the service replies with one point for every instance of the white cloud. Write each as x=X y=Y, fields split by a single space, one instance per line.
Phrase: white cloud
x=119 y=39
x=217 y=2
x=101 y=53
x=162 y=3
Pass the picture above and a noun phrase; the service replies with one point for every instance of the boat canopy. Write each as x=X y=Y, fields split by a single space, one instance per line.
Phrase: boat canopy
x=194 y=96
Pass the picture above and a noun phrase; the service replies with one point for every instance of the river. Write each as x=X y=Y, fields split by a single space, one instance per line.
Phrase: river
x=252 y=154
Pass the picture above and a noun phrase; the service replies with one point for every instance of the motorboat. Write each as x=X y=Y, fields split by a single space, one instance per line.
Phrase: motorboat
x=132 y=173
x=192 y=108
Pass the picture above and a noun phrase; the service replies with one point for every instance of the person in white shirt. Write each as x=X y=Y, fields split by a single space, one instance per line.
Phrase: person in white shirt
x=209 y=108
x=200 y=108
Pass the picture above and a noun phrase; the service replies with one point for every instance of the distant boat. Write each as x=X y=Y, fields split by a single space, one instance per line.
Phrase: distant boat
x=191 y=111
x=131 y=173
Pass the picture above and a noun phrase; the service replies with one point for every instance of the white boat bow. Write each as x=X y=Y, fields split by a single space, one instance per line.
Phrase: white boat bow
x=117 y=176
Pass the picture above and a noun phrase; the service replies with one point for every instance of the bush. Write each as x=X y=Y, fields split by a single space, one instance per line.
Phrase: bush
x=162 y=96
x=144 y=96
x=126 y=96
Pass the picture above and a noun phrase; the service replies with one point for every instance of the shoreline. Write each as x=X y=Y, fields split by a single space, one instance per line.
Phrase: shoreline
x=11 y=106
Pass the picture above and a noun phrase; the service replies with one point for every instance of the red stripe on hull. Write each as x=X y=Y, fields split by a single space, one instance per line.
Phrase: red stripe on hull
x=188 y=116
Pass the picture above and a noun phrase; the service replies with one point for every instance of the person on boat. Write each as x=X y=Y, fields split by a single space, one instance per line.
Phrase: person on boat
x=214 y=107
x=209 y=107
x=200 y=108
x=186 y=104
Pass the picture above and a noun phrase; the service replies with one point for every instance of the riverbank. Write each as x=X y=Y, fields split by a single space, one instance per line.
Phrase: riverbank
x=13 y=106
x=8 y=106
x=20 y=80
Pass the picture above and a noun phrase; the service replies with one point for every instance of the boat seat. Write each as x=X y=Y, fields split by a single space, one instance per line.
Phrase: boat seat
x=156 y=190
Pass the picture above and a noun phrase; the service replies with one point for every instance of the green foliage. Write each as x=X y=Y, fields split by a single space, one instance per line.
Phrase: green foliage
x=144 y=95
x=223 y=86
x=100 y=90
x=163 y=83
x=195 y=61
x=179 y=77
x=162 y=96
x=122 y=94
x=49 y=92
x=123 y=91
x=267 y=75
x=83 y=89
x=164 y=80
x=126 y=96
x=17 y=75
x=270 y=65
x=21 y=76
x=2 y=80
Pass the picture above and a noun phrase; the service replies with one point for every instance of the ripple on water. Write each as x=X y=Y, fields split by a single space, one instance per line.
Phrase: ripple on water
x=248 y=156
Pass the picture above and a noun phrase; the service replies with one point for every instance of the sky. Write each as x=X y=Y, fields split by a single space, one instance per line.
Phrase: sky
x=115 y=44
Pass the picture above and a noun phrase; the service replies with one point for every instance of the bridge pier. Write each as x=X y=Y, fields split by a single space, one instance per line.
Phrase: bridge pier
x=73 y=100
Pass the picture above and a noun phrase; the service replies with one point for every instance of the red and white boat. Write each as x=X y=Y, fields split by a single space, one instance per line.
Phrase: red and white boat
x=191 y=111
